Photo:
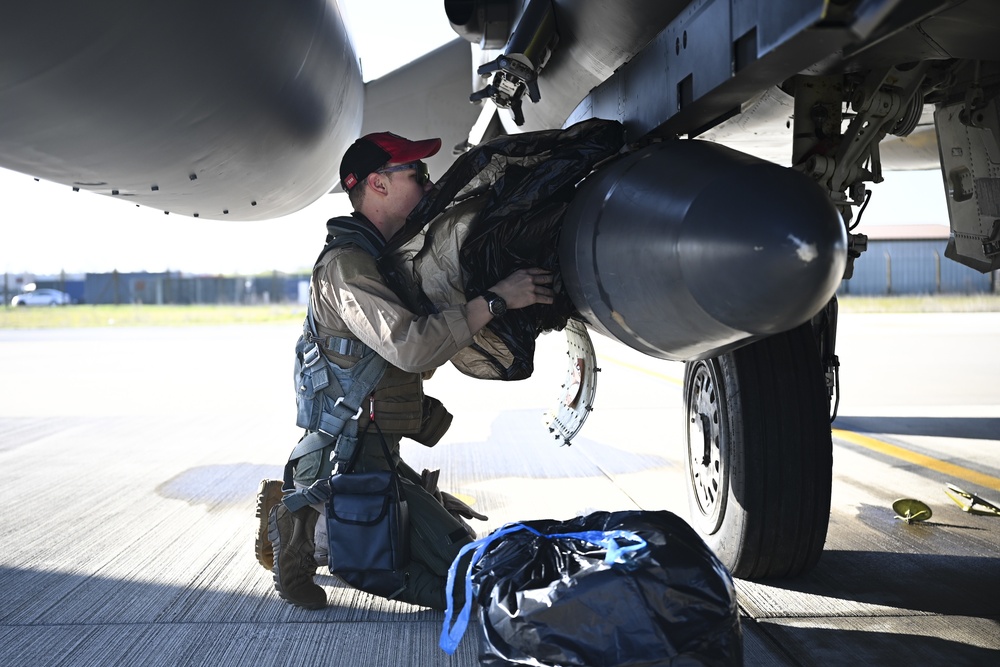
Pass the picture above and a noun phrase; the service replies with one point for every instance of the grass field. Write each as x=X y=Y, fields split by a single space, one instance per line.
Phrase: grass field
x=156 y=316
x=65 y=317
x=943 y=303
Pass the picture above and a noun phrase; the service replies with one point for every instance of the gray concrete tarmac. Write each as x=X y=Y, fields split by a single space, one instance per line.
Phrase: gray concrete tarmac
x=131 y=457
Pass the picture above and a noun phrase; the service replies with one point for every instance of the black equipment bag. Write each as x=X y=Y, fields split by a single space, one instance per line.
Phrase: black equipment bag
x=628 y=589
x=368 y=529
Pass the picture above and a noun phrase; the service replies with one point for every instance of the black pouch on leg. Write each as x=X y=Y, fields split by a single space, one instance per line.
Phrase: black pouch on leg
x=368 y=530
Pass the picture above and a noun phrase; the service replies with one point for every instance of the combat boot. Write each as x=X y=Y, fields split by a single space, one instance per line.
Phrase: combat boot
x=291 y=535
x=268 y=495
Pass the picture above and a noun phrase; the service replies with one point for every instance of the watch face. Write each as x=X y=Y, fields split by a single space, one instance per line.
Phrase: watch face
x=496 y=304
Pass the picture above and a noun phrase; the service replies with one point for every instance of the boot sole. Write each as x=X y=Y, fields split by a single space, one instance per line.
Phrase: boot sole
x=268 y=495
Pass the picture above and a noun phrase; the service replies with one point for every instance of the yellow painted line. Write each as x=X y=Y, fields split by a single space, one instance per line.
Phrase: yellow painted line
x=660 y=376
x=943 y=467
x=468 y=500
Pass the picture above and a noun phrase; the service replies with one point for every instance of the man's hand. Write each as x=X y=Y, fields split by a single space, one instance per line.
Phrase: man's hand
x=526 y=287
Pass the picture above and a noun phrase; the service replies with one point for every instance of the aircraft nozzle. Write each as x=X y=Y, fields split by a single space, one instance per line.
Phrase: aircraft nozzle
x=687 y=249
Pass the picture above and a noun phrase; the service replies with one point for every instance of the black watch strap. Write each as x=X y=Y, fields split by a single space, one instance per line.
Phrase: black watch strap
x=495 y=303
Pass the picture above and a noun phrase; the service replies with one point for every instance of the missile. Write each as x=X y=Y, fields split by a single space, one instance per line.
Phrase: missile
x=688 y=249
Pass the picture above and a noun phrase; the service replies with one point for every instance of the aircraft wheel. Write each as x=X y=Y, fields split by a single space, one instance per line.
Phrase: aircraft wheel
x=760 y=455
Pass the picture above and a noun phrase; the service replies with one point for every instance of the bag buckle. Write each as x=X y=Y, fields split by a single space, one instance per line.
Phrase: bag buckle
x=311 y=355
x=341 y=400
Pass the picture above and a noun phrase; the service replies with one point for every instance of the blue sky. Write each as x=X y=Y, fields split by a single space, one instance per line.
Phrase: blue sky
x=46 y=228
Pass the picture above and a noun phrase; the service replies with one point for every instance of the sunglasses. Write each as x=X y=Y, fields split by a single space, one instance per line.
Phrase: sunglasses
x=423 y=175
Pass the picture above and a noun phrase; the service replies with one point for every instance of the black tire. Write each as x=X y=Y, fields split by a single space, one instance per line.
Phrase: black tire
x=760 y=455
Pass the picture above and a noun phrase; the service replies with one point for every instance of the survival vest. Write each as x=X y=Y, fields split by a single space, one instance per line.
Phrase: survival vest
x=331 y=399
x=327 y=410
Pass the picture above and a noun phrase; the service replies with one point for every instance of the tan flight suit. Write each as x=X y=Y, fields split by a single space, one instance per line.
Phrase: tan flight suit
x=351 y=300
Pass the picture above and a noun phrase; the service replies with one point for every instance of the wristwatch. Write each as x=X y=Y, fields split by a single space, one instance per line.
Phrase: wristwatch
x=495 y=303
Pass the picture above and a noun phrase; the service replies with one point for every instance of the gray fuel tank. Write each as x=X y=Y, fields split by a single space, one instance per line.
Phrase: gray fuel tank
x=687 y=249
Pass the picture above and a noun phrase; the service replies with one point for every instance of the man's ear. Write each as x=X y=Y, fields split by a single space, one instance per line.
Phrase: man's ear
x=376 y=182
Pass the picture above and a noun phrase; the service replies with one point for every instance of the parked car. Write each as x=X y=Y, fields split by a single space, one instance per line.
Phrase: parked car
x=42 y=297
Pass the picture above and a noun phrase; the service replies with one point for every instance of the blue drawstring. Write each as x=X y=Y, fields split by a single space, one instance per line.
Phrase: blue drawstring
x=452 y=635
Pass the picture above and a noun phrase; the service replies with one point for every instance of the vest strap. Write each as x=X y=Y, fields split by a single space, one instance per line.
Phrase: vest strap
x=345 y=347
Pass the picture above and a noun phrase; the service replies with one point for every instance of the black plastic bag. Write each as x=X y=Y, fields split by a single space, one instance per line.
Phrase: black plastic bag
x=587 y=592
x=529 y=180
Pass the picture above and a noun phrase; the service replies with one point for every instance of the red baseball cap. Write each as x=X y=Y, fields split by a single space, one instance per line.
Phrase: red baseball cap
x=373 y=151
